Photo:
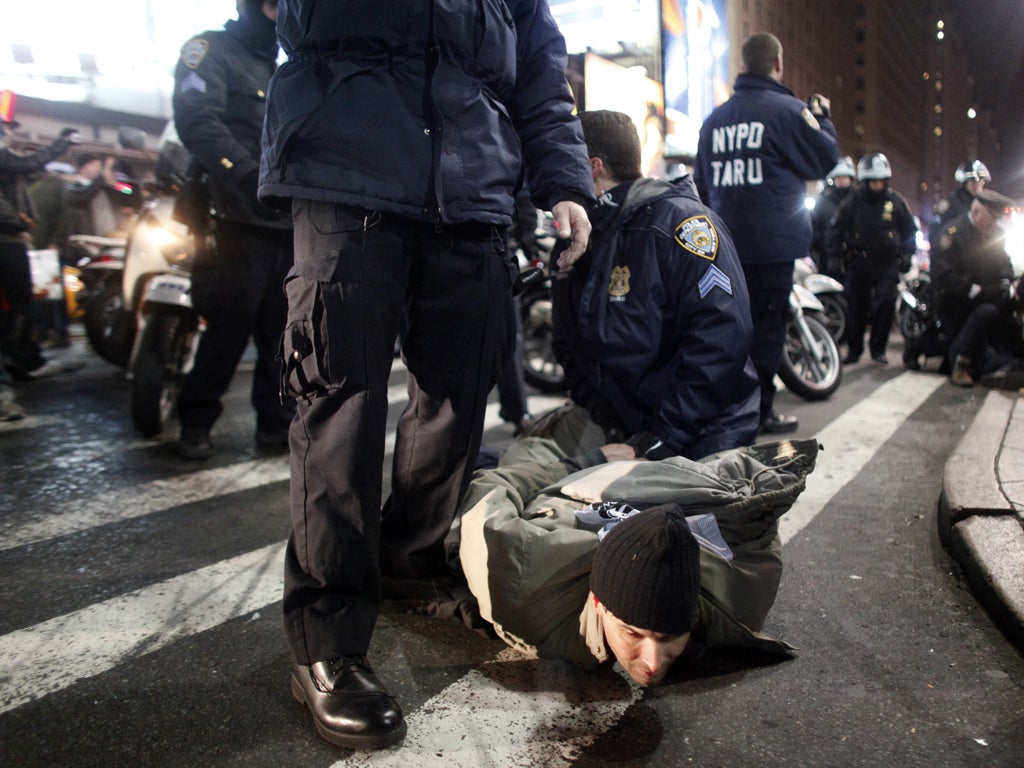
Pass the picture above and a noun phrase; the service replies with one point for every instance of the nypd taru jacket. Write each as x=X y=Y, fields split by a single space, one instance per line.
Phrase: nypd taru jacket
x=754 y=156
x=528 y=563
x=427 y=109
x=220 y=86
x=653 y=324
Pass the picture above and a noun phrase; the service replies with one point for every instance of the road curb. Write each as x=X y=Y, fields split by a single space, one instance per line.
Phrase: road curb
x=978 y=522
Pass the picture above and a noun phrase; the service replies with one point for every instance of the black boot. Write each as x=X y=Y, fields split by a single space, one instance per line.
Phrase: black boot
x=777 y=423
x=194 y=443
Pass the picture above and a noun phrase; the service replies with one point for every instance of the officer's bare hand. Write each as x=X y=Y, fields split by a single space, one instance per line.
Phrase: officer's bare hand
x=618 y=452
x=572 y=222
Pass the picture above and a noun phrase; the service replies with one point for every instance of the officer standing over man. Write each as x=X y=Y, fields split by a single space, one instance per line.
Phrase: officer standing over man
x=875 y=234
x=755 y=154
x=219 y=102
x=972 y=276
x=400 y=132
x=653 y=324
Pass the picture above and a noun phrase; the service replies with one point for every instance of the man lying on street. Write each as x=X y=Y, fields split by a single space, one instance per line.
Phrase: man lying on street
x=599 y=557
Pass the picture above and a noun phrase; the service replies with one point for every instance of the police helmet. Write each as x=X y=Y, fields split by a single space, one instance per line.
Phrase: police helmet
x=843 y=168
x=874 y=166
x=973 y=171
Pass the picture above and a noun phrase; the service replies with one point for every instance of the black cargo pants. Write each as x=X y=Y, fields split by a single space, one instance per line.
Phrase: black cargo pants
x=357 y=274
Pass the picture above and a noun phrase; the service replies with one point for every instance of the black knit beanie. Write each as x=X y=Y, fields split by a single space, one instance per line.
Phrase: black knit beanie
x=646 y=571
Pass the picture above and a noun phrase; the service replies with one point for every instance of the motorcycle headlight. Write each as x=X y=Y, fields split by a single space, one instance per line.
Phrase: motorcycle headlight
x=176 y=251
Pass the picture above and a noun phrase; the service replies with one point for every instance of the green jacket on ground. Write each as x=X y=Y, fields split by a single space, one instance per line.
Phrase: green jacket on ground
x=528 y=563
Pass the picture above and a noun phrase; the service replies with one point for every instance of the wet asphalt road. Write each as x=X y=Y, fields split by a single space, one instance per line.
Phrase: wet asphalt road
x=141 y=613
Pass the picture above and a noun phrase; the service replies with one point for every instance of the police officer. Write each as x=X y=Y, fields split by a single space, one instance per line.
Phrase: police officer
x=874 y=232
x=653 y=326
x=971 y=178
x=838 y=185
x=400 y=140
x=972 y=274
x=219 y=104
x=754 y=156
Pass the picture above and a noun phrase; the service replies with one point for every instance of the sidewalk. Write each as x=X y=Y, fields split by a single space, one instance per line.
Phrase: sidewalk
x=981 y=510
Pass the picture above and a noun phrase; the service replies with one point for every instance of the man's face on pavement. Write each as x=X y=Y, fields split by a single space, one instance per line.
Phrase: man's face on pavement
x=646 y=656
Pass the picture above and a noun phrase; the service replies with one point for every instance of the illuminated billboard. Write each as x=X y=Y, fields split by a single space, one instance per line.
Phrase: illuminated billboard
x=695 y=63
x=663 y=62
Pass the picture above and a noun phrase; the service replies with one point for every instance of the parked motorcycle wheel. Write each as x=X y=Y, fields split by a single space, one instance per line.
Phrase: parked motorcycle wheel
x=541 y=368
x=801 y=372
x=156 y=376
x=107 y=326
x=835 y=314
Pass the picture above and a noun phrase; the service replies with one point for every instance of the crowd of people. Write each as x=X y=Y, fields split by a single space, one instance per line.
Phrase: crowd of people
x=659 y=529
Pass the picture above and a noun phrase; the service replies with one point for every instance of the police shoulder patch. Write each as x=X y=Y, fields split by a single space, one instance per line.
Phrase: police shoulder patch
x=698 y=236
x=810 y=119
x=193 y=52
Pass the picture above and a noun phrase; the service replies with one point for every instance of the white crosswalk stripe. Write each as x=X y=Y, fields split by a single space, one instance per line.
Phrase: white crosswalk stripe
x=849 y=442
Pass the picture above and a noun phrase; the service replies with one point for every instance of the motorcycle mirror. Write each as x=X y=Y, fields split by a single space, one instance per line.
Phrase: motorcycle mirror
x=131 y=138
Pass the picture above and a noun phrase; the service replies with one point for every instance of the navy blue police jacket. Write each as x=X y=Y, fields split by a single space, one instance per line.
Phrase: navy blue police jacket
x=754 y=156
x=220 y=85
x=429 y=109
x=653 y=324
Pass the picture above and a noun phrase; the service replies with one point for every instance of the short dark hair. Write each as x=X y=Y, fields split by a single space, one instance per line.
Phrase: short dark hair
x=612 y=137
x=760 y=52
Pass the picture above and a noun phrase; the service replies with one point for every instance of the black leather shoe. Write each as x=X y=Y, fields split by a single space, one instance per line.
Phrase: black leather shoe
x=194 y=443
x=880 y=359
x=851 y=359
x=349 y=705
x=778 y=424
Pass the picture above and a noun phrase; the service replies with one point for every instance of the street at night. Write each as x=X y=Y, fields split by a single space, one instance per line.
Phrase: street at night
x=142 y=617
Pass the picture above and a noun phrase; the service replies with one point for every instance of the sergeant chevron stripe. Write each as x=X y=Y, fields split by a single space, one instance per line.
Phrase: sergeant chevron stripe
x=714 y=276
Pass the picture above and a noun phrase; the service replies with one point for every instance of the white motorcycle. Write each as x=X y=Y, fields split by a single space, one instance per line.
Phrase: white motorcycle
x=811 y=366
x=158 y=283
x=829 y=291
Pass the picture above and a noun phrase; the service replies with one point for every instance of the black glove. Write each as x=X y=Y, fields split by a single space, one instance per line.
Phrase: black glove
x=819 y=105
x=70 y=134
x=649 y=446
